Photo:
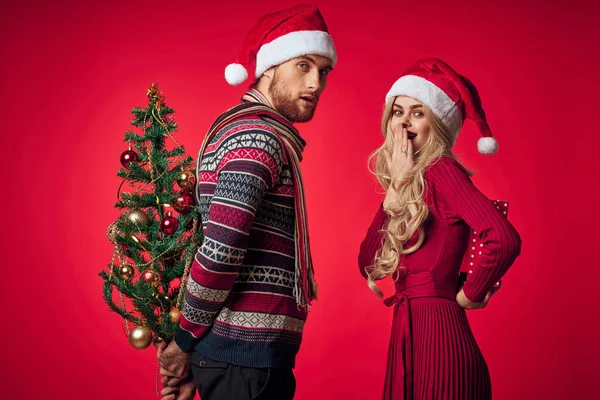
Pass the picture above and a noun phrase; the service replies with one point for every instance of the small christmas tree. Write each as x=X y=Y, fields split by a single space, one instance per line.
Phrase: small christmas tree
x=158 y=233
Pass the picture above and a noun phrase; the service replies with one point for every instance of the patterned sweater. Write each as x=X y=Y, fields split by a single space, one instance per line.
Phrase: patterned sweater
x=239 y=303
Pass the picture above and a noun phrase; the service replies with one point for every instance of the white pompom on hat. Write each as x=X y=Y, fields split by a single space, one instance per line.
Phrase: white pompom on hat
x=279 y=37
x=235 y=74
x=450 y=96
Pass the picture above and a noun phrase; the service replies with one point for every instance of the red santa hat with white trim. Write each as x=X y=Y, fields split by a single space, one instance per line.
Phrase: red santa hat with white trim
x=450 y=96
x=280 y=37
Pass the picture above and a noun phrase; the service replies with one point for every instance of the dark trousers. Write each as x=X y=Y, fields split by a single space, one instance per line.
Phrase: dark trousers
x=222 y=381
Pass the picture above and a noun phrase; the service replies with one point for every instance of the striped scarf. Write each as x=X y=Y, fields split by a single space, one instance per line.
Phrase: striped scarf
x=254 y=103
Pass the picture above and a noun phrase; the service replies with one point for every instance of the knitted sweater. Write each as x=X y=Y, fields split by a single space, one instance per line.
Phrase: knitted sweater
x=239 y=303
x=456 y=207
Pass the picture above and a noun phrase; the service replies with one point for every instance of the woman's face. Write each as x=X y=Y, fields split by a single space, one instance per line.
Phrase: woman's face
x=410 y=113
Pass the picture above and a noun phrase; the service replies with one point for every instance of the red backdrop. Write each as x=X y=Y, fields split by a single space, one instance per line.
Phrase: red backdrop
x=72 y=71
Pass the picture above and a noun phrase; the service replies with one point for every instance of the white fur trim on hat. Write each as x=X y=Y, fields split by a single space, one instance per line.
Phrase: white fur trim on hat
x=235 y=74
x=292 y=45
x=487 y=145
x=432 y=96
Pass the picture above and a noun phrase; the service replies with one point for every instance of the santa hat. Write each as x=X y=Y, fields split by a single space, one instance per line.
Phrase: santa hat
x=279 y=37
x=451 y=97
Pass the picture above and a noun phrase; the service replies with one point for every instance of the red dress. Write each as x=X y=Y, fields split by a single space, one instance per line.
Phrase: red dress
x=432 y=352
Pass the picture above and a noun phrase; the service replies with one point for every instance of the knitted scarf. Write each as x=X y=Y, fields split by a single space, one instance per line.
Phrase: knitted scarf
x=305 y=288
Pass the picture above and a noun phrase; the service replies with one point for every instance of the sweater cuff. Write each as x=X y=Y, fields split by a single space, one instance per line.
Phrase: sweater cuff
x=473 y=295
x=185 y=340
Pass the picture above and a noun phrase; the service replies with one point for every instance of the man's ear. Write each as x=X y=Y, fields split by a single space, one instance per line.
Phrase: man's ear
x=269 y=73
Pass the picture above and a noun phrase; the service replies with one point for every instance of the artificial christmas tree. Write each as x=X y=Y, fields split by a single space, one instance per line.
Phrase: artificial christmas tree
x=156 y=236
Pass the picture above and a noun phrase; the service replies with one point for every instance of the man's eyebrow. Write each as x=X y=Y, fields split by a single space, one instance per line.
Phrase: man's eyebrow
x=311 y=59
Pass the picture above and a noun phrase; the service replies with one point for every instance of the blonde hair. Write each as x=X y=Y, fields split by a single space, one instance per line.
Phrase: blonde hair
x=408 y=215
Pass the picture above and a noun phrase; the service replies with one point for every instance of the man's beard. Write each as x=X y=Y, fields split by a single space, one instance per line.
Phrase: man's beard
x=284 y=103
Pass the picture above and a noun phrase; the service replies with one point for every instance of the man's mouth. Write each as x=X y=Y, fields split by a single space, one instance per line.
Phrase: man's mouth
x=309 y=100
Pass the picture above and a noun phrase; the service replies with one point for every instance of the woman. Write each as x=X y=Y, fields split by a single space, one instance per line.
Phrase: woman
x=419 y=237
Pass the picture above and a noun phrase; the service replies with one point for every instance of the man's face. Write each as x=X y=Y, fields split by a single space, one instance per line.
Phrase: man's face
x=296 y=86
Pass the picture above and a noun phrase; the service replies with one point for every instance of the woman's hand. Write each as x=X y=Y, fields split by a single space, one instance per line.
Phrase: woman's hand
x=399 y=161
x=467 y=304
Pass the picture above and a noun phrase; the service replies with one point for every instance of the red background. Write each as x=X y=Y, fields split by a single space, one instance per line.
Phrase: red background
x=72 y=71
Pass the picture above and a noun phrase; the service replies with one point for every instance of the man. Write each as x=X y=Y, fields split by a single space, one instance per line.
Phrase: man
x=251 y=283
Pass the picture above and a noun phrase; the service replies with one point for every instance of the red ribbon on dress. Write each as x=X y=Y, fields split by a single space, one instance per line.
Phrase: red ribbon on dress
x=400 y=381
x=399 y=377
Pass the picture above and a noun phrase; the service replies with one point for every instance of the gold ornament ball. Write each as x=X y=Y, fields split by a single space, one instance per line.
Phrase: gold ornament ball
x=186 y=179
x=139 y=217
x=140 y=337
x=157 y=341
x=175 y=316
x=126 y=272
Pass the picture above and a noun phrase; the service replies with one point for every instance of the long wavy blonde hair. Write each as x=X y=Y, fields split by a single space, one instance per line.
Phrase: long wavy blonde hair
x=408 y=215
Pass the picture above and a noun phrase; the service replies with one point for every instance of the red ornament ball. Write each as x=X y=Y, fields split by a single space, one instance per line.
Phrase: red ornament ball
x=150 y=277
x=183 y=202
x=169 y=224
x=127 y=157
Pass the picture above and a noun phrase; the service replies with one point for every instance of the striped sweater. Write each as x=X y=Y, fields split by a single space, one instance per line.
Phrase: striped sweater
x=239 y=303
